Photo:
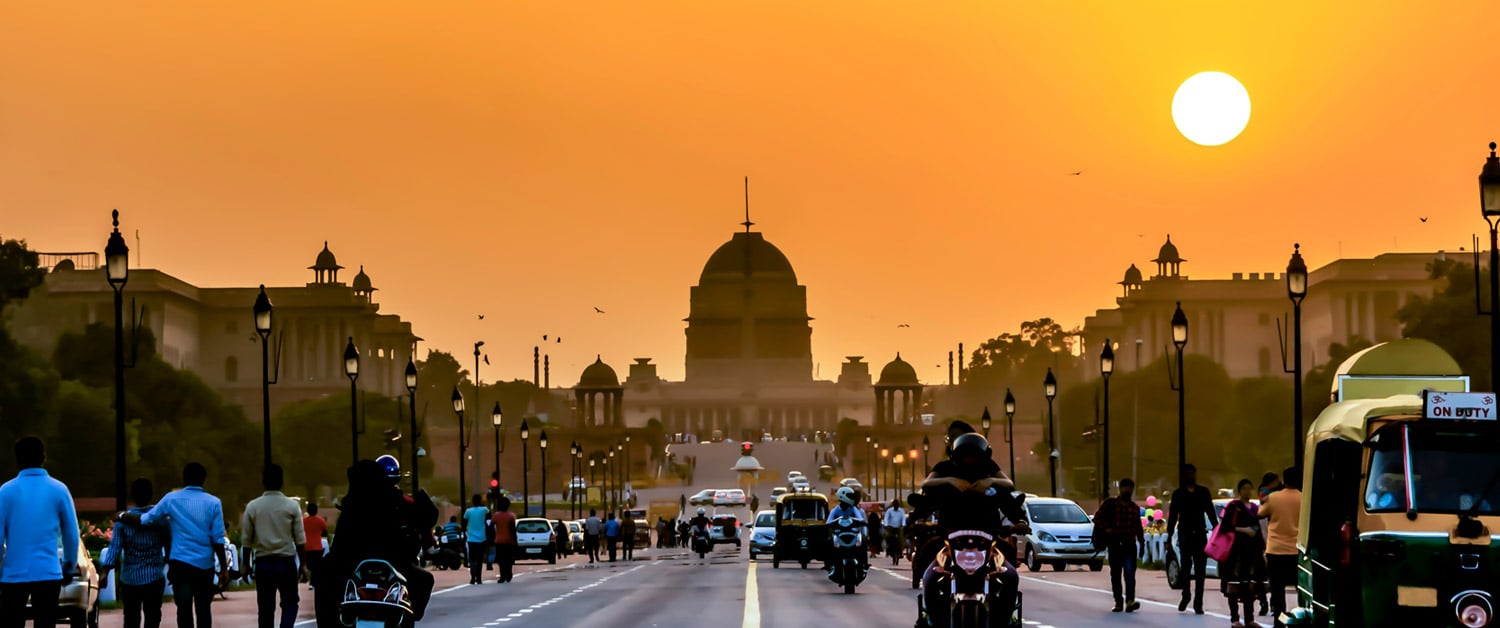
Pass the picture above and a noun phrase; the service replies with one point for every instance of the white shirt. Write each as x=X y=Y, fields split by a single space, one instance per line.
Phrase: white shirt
x=895 y=518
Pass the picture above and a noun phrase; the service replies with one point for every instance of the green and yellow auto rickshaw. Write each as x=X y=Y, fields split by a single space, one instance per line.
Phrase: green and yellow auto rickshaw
x=801 y=529
x=1400 y=521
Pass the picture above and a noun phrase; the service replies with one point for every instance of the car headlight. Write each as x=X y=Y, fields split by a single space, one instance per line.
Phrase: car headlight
x=1046 y=537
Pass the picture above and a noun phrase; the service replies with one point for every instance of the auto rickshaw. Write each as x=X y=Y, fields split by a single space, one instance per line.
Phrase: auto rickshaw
x=1401 y=509
x=801 y=529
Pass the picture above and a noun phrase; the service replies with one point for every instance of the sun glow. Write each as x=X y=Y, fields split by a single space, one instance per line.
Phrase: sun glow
x=1211 y=108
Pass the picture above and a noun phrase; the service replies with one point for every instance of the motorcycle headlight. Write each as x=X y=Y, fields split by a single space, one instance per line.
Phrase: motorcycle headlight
x=1046 y=537
x=969 y=560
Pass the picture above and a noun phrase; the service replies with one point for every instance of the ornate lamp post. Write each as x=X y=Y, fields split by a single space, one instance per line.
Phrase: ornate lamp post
x=927 y=445
x=911 y=458
x=262 y=311
x=1106 y=368
x=542 y=443
x=593 y=479
x=458 y=409
x=1296 y=290
x=572 y=473
x=896 y=464
x=525 y=470
x=620 y=476
x=1179 y=340
x=869 y=461
x=1489 y=207
x=609 y=481
x=411 y=393
x=984 y=422
x=497 y=419
x=1010 y=429
x=1049 y=386
x=351 y=370
x=117 y=272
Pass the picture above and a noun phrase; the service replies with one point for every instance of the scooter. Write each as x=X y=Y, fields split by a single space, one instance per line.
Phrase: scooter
x=700 y=542
x=967 y=593
x=375 y=596
x=848 y=567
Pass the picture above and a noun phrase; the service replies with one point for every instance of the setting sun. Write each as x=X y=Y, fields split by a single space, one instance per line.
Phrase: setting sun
x=1211 y=108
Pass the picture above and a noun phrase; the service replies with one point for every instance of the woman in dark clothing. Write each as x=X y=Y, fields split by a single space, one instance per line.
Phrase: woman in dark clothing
x=1242 y=576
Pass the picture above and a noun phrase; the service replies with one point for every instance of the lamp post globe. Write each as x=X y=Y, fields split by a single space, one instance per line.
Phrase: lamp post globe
x=116 y=256
x=1010 y=428
x=261 y=312
x=458 y=401
x=351 y=370
x=525 y=469
x=984 y=421
x=497 y=418
x=1296 y=290
x=1489 y=186
x=411 y=376
x=458 y=409
x=411 y=394
x=1049 y=387
x=1489 y=207
x=1010 y=403
x=351 y=359
x=1179 y=327
x=117 y=272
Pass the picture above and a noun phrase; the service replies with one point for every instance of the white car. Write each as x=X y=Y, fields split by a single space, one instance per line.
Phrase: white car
x=801 y=485
x=792 y=476
x=731 y=497
x=704 y=497
x=763 y=533
x=535 y=540
x=78 y=603
x=1061 y=535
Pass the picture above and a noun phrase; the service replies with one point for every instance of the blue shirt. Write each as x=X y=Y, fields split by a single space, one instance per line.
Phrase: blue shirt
x=476 y=518
x=612 y=528
x=196 y=522
x=138 y=551
x=36 y=517
x=845 y=511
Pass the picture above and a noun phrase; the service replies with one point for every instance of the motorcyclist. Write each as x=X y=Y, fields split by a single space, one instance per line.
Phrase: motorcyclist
x=376 y=521
x=700 y=521
x=848 y=506
x=964 y=491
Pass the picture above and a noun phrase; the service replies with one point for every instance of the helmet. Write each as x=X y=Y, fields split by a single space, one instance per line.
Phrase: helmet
x=847 y=495
x=391 y=465
x=971 y=445
x=702 y=511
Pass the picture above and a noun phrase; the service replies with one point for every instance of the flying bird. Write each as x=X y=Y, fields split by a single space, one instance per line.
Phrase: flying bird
x=559 y=340
x=1423 y=219
x=544 y=337
x=903 y=325
x=481 y=317
x=486 y=359
x=1077 y=173
x=596 y=309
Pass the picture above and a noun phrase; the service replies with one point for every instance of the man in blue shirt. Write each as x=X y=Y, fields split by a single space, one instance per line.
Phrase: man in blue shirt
x=195 y=520
x=476 y=527
x=612 y=535
x=140 y=554
x=36 y=516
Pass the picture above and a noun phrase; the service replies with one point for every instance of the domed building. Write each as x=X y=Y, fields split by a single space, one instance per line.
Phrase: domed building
x=748 y=317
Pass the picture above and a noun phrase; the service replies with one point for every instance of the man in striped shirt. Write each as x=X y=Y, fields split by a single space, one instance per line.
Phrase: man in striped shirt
x=140 y=554
x=195 y=520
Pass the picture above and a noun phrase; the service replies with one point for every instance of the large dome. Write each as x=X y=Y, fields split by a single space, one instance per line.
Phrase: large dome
x=599 y=375
x=898 y=373
x=748 y=250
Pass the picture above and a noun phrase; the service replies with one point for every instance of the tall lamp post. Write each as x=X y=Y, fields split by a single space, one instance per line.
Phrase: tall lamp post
x=1106 y=368
x=497 y=419
x=593 y=479
x=542 y=442
x=926 y=445
x=1179 y=340
x=627 y=458
x=620 y=476
x=1489 y=207
x=869 y=461
x=609 y=482
x=1296 y=290
x=117 y=271
x=458 y=409
x=896 y=463
x=1049 y=386
x=351 y=370
x=262 y=312
x=411 y=393
x=984 y=422
x=525 y=471
x=1010 y=430
x=572 y=473
x=911 y=458
x=885 y=455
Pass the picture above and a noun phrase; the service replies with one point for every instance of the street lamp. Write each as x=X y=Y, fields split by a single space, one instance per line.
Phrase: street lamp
x=1296 y=290
x=620 y=476
x=896 y=464
x=262 y=310
x=572 y=473
x=1106 y=368
x=626 y=471
x=1489 y=207
x=497 y=419
x=458 y=408
x=869 y=461
x=351 y=370
x=609 y=482
x=911 y=458
x=593 y=479
x=984 y=422
x=541 y=441
x=525 y=470
x=885 y=454
x=1010 y=429
x=1179 y=340
x=1049 y=386
x=411 y=393
x=926 y=445
x=117 y=271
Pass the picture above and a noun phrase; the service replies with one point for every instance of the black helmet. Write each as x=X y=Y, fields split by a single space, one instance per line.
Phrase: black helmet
x=971 y=445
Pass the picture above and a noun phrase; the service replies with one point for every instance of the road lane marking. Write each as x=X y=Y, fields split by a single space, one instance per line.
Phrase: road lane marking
x=752 y=600
x=1108 y=592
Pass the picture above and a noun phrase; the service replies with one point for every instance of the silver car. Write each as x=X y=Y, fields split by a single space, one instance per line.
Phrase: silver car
x=1061 y=535
x=78 y=603
x=763 y=534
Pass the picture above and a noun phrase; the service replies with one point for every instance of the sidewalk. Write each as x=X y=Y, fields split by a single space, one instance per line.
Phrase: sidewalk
x=239 y=607
x=1151 y=591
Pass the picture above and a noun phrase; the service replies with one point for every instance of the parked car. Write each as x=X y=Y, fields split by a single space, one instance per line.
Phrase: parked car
x=575 y=536
x=575 y=486
x=724 y=529
x=731 y=497
x=848 y=482
x=563 y=541
x=763 y=533
x=704 y=497
x=642 y=529
x=535 y=540
x=792 y=476
x=802 y=485
x=1061 y=535
x=78 y=603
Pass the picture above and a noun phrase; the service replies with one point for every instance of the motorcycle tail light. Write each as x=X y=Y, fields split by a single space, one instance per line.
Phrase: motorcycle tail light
x=395 y=594
x=969 y=560
x=350 y=592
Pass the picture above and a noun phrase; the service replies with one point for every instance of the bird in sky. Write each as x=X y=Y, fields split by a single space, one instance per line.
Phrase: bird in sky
x=481 y=317
x=903 y=325
x=559 y=340
x=596 y=309
x=1423 y=219
x=486 y=359
x=1077 y=173
x=544 y=337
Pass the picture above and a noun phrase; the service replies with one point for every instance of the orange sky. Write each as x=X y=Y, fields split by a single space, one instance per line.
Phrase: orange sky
x=910 y=158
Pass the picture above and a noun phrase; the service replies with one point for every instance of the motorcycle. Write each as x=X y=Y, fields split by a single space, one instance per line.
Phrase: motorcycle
x=848 y=567
x=700 y=542
x=376 y=596
x=447 y=554
x=969 y=593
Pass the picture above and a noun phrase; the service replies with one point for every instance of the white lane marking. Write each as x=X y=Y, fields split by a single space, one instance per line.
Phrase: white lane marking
x=545 y=603
x=752 y=600
x=1107 y=592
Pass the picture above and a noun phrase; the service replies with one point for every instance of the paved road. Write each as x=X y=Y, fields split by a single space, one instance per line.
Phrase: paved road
x=669 y=588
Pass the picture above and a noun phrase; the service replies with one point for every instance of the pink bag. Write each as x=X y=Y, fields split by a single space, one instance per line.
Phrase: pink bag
x=1221 y=540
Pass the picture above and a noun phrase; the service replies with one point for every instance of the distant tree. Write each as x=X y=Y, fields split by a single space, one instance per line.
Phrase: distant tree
x=1019 y=361
x=1449 y=319
x=310 y=439
x=20 y=272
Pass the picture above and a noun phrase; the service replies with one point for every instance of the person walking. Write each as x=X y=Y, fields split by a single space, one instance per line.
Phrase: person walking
x=612 y=535
x=139 y=554
x=592 y=528
x=36 y=518
x=1191 y=515
x=314 y=528
x=1118 y=521
x=627 y=536
x=894 y=524
x=504 y=523
x=194 y=519
x=1242 y=576
x=272 y=528
x=1282 y=508
x=754 y=503
x=476 y=533
x=682 y=503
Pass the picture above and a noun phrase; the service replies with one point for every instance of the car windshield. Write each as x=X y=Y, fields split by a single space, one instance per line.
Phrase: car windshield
x=1453 y=469
x=1058 y=513
x=765 y=520
x=533 y=527
x=805 y=509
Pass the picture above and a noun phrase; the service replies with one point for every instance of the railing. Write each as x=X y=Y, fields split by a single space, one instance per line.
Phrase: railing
x=87 y=260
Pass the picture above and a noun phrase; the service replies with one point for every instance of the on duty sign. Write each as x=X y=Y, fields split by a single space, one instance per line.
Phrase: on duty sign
x=1463 y=406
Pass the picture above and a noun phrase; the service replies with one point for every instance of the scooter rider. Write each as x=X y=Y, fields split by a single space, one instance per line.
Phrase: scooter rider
x=376 y=521
x=848 y=506
x=700 y=522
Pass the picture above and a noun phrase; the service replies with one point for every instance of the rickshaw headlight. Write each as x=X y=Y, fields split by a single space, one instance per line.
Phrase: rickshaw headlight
x=1473 y=609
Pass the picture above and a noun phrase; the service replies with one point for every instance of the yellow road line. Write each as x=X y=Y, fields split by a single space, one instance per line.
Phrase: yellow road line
x=752 y=600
